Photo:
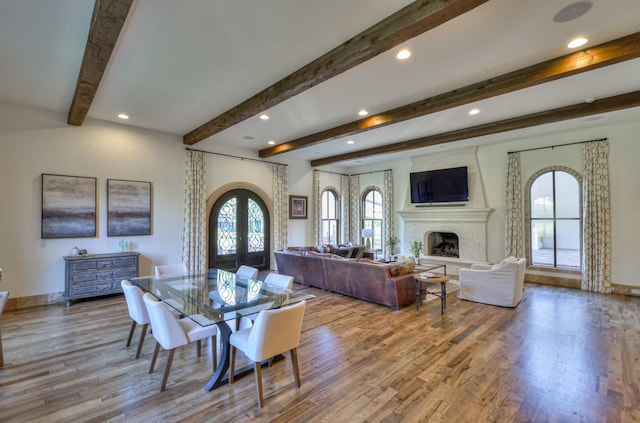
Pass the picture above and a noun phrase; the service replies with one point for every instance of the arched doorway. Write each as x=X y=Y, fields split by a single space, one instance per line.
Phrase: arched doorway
x=239 y=231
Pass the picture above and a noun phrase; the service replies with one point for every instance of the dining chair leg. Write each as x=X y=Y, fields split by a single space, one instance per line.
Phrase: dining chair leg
x=232 y=365
x=144 y=332
x=214 y=352
x=155 y=356
x=133 y=327
x=258 y=373
x=294 y=363
x=166 y=372
x=199 y=347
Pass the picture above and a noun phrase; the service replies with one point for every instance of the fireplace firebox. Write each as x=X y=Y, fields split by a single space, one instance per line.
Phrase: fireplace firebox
x=443 y=244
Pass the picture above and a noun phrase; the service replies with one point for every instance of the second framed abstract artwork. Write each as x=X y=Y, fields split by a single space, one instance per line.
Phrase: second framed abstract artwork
x=128 y=207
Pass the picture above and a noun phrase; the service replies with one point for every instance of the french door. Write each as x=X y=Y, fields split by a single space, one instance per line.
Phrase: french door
x=239 y=231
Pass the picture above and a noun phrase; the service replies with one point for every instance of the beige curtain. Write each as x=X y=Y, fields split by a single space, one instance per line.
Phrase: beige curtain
x=514 y=231
x=354 y=197
x=280 y=207
x=345 y=203
x=194 y=246
x=596 y=273
x=317 y=221
x=387 y=202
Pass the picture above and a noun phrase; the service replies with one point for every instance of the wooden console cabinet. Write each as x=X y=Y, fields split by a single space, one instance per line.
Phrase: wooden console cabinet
x=97 y=274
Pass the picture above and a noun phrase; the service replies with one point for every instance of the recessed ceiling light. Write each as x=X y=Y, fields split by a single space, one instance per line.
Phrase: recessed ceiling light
x=474 y=111
x=123 y=116
x=577 y=42
x=264 y=117
x=271 y=142
x=350 y=142
x=363 y=112
x=572 y=11
x=403 y=54
x=249 y=137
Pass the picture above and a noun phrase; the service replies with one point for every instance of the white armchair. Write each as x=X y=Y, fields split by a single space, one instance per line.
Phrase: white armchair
x=501 y=284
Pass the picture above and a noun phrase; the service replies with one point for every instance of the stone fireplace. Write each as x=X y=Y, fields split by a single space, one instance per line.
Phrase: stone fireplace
x=452 y=234
x=468 y=225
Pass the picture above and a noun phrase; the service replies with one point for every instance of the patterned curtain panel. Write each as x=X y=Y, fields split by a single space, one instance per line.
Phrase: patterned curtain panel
x=355 y=221
x=514 y=231
x=317 y=221
x=280 y=207
x=596 y=273
x=345 y=215
x=194 y=245
x=387 y=202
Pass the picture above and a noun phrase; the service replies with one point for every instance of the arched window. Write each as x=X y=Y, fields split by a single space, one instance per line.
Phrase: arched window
x=555 y=220
x=372 y=215
x=329 y=211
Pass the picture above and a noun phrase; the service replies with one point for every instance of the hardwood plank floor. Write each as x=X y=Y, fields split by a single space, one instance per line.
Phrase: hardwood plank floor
x=562 y=355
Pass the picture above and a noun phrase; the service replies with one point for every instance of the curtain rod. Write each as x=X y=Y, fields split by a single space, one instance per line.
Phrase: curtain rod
x=352 y=174
x=560 y=145
x=237 y=157
x=373 y=171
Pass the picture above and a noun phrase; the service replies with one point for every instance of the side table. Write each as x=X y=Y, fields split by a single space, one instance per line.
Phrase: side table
x=434 y=279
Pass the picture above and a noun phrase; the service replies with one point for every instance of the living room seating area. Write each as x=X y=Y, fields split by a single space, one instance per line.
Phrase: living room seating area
x=389 y=284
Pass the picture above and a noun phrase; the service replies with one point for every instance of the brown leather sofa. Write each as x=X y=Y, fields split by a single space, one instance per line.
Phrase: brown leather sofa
x=391 y=284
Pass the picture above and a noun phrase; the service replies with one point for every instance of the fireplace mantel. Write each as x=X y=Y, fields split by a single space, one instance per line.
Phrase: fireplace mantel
x=449 y=214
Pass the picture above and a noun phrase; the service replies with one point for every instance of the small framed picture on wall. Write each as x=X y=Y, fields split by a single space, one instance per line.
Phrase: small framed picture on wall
x=297 y=207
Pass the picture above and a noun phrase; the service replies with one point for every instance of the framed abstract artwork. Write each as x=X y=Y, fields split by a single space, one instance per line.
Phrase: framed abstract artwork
x=297 y=207
x=68 y=206
x=128 y=208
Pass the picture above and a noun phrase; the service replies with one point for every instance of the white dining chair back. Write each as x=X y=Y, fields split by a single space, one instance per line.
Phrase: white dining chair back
x=279 y=280
x=137 y=312
x=171 y=333
x=171 y=270
x=274 y=279
x=274 y=332
x=247 y=272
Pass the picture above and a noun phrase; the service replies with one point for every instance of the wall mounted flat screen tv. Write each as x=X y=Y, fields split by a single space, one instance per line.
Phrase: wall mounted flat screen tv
x=439 y=186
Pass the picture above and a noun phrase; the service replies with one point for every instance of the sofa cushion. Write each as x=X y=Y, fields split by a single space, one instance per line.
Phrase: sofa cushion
x=402 y=268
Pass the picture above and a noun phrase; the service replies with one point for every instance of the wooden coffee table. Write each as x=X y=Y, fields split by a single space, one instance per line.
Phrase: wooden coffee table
x=442 y=279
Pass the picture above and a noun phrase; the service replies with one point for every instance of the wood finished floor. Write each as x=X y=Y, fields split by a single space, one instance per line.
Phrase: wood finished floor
x=561 y=356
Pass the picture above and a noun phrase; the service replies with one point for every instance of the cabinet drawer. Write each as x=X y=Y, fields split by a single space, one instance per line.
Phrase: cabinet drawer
x=94 y=288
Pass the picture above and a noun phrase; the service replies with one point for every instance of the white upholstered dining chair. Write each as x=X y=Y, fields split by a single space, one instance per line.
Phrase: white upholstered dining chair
x=171 y=333
x=273 y=279
x=274 y=332
x=170 y=270
x=137 y=312
x=247 y=272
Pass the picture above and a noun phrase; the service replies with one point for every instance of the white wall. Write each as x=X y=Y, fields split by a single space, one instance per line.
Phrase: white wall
x=624 y=183
x=35 y=141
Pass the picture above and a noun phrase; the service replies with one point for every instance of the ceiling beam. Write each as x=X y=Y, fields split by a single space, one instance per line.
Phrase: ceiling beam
x=409 y=22
x=107 y=22
x=622 y=49
x=575 y=111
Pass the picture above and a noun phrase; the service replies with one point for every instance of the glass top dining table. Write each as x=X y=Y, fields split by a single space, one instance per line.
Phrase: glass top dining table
x=218 y=297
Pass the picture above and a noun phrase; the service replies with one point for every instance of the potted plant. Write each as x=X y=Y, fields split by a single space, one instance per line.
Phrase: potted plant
x=416 y=249
x=392 y=243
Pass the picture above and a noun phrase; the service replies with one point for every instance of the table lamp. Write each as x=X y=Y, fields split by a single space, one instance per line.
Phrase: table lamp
x=367 y=234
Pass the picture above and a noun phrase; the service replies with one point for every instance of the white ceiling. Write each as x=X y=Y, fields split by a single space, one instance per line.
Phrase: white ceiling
x=179 y=64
